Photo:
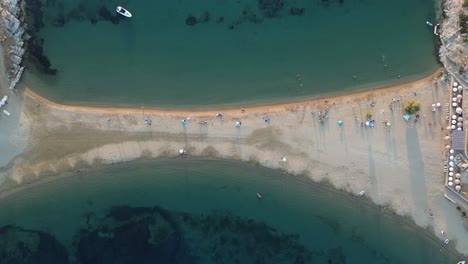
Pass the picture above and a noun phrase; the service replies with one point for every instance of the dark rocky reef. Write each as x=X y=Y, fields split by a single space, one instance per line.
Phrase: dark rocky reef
x=105 y=14
x=18 y=245
x=191 y=21
x=296 y=11
x=154 y=235
x=271 y=8
x=130 y=235
x=34 y=44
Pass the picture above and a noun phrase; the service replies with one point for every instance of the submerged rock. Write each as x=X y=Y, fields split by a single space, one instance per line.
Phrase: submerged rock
x=191 y=21
x=296 y=11
x=18 y=245
x=271 y=8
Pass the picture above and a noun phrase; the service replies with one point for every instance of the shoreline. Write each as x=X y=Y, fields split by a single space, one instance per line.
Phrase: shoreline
x=302 y=179
x=354 y=94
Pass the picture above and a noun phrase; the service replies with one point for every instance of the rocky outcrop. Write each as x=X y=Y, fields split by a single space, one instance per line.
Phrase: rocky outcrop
x=11 y=37
x=452 y=50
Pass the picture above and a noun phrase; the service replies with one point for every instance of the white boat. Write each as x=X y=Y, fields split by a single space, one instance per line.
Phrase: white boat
x=435 y=30
x=461 y=262
x=429 y=23
x=361 y=193
x=124 y=12
x=6 y=112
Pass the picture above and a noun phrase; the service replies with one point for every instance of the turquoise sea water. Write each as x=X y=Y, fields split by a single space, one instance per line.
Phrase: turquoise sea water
x=332 y=227
x=155 y=59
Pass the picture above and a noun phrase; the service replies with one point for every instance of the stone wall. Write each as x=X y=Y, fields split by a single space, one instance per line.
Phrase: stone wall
x=11 y=38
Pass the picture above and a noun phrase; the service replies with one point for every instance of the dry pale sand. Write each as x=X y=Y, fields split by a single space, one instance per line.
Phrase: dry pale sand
x=400 y=167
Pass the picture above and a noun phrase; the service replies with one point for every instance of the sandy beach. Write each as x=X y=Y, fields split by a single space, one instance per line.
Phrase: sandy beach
x=399 y=167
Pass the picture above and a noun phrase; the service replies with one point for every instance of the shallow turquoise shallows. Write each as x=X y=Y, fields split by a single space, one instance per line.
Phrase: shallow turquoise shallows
x=156 y=59
x=325 y=220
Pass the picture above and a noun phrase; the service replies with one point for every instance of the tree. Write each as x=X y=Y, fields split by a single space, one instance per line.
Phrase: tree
x=412 y=107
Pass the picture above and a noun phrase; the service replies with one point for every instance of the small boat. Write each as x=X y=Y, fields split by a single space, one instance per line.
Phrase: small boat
x=259 y=196
x=446 y=241
x=124 y=12
x=435 y=30
x=461 y=262
x=429 y=23
x=6 y=112
x=361 y=193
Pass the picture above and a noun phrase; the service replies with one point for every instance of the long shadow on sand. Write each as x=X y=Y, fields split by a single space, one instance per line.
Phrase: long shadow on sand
x=416 y=166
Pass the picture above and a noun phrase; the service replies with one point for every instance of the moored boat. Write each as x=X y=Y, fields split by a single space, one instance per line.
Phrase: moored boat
x=6 y=112
x=429 y=23
x=124 y=12
x=259 y=196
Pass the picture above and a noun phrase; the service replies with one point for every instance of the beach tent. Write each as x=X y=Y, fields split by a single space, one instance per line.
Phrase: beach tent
x=459 y=110
x=407 y=117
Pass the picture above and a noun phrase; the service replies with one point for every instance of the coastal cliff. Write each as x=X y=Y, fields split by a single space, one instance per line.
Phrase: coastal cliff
x=11 y=37
x=452 y=50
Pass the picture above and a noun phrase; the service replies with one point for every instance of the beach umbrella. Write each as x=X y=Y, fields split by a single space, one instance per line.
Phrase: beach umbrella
x=451 y=157
x=459 y=96
x=454 y=99
x=389 y=124
x=457 y=181
x=454 y=89
x=458 y=175
x=459 y=124
x=454 y=116
x=450 y=184
x=453 y=127
x=450 y=179
x=433 y=105
x=458 y=187
x=454 y=121
x=455 y=84
x=447 y=137
x=340 y=122
x=451 y=163
x=459 y=110
x=460 y=87
x=367 y=123
x=460 y=119
x=451 y=169
x=454 y=104
x=459 y=129
x=181 y=151
x=439 y=105
x=452 y=151
x=447 y=146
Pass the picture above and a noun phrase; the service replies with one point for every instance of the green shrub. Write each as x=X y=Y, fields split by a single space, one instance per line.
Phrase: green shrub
x=412 y=107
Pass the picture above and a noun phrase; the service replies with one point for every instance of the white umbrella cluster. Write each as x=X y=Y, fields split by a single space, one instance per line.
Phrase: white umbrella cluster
x=454 y=178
